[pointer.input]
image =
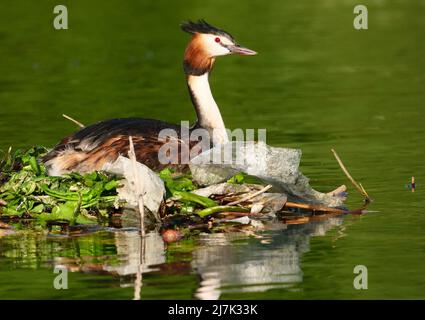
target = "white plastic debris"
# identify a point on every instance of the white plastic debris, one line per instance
(241, 220)
(254, 158)
(152, 187)
(223, 189)
(257, 207)
(276, 166)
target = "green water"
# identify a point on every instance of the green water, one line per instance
(316, 84)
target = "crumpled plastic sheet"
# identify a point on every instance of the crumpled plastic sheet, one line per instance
(152, 187)
(276, 166)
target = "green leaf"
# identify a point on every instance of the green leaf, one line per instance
(208, 211)
(64, 211)
(82, 219)
(238, 178)
(191, 197)
(113, 184)
(38, 209)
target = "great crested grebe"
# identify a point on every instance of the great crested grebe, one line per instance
(94, 146)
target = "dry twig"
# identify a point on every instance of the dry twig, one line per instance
(354, 182)
(74, 121)
(313, 207)
(320, 208)
(250, 196)
(132, 157)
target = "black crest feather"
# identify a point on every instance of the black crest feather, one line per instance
(204, 27)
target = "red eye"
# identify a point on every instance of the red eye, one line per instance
(217, 40)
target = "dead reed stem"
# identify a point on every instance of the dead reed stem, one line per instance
(358, 186)
(138, 192)
(74, 121)
(250, 196)
(313, 207)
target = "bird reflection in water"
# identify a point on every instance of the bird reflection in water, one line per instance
(223, 262)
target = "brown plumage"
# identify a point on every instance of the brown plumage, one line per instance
(196, 59)
(92, 147)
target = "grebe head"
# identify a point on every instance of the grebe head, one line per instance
(207, 43)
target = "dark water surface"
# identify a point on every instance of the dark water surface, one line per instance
(316, 84)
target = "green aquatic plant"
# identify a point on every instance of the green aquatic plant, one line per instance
(209, 211)
(176, 181)
(179, 185)
(27, 191)
(244, 178)
(238, 178)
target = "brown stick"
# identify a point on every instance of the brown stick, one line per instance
(3, 203)
(354, 182)
(320, 208)
(313, 207)
(250, 196)
(238, 214)
(74, 121)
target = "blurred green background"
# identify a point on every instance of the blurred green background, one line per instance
(316, 84)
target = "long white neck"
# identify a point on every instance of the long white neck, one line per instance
(209, 116)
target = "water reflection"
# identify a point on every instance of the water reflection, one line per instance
(226, 262)
(269, 262)
(134, 253)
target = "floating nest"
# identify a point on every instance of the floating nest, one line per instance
(176, 203)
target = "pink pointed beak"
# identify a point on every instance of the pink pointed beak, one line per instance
(237, 49)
